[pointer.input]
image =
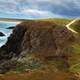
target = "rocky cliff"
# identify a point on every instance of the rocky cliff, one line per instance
(43, 39)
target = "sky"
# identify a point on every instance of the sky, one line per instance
(32, 9)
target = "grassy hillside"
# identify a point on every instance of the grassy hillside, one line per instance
(75, 59)
(58, 21)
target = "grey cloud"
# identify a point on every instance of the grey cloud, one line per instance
(58, 7)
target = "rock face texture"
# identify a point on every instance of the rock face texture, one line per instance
(43, 39)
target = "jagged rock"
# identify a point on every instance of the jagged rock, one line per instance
(2, 34)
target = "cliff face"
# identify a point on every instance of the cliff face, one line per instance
(43, 39)
(38, 36)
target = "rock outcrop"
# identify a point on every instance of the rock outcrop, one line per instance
(2, 34)
(12, 27)
(43, 39)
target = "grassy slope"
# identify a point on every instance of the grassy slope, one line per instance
(75, 59)
(59, 21)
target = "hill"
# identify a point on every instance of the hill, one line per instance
(40, 48)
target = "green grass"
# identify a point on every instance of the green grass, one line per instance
(61, 21)
(76, 28)
(28, 66)
(75, 61)
(76, 48)
(75, 68)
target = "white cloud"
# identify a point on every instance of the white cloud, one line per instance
(36, 12)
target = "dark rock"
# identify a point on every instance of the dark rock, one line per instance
(11, 27)
(2, 34)
(7, 65)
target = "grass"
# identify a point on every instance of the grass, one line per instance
(75, 68)
(60, 21)
(75, 58)
(76, 28)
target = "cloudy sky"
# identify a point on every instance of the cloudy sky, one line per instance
(30, 9)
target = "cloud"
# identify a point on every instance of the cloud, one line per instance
(39, 13)
(40, 8)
